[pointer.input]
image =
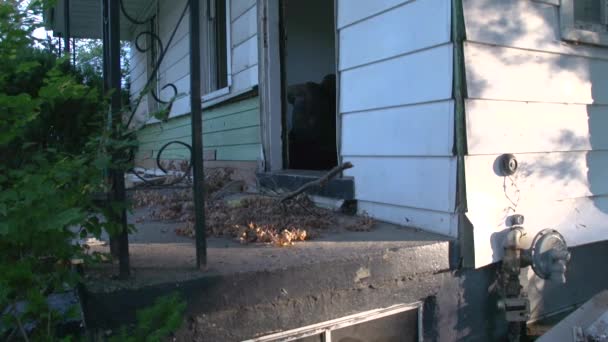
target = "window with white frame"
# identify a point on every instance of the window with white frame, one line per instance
(585, 21)
(215, 45)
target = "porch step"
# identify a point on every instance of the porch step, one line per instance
(290, 180)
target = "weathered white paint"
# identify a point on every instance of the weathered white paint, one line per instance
(245, 55)
(354, 10)
(372, 43)
(245, 26)
(175, 67)
(414, 78)
(415, 182)
(503, 73)
(432, 221)
(543, 99)
(396, 108)
(495, 127)
(400, 131)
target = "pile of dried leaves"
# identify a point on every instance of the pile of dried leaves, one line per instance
(251, 218)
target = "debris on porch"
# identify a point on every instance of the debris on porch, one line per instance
(245, 217)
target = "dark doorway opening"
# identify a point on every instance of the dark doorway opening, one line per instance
(309, 84)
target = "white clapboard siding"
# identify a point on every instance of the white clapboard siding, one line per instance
(395, 72)
(415, 182)
(502, 73)
(495, 127)
(245, 55)
(540, 176)
(245, 26)
(351, 11)
(414, 78)
(544, 100)
(245, 79)
(239, 7)
(400, 131)
(432, 221)
(369, 38)
(529, 25)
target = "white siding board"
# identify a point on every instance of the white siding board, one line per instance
(540, 177)
(522, 24)
(372, 43)
(245, 55)
(400, 131)
(238, 7)
(245, 26)
(355, 10)
(521, 75)
(495, 127)
(432, 221)
(245, 79)
(420, 77)
(417, 182)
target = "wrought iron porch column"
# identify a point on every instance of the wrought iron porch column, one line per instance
(119, 243)
(197, 135)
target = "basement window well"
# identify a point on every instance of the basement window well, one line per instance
(398, 323)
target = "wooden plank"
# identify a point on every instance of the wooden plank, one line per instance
(350, 11)
(540, 176)
(238, 7)
(245, 55)
(495, 127)
(428, 74)
(400, 131)
(248, 135)
(245, 79)
(580, 220)
(244, 152)
(416, 182)
(431, 221)
(500, 73)
(245, 26)
(219, 124)
(420, 24)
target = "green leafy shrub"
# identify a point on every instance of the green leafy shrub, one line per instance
(155, 323)
(54, 148)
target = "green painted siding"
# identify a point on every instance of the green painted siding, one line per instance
(232, 130)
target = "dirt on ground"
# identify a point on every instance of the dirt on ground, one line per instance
(247, 218)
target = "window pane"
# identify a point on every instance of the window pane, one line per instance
(588, 11)
(221, 58)
(402, 327)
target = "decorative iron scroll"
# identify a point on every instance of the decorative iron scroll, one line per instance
(151, 78)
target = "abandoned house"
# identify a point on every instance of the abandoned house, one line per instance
(478, 121)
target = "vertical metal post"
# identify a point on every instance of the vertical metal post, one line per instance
(66, 26)
(197, 135)
(119, 242)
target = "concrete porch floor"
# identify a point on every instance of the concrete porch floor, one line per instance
(158, 254)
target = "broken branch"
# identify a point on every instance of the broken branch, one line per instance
(321, 182)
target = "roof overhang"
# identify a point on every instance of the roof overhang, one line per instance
(85, 17)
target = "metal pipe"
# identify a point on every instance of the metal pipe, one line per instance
(197, 135)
